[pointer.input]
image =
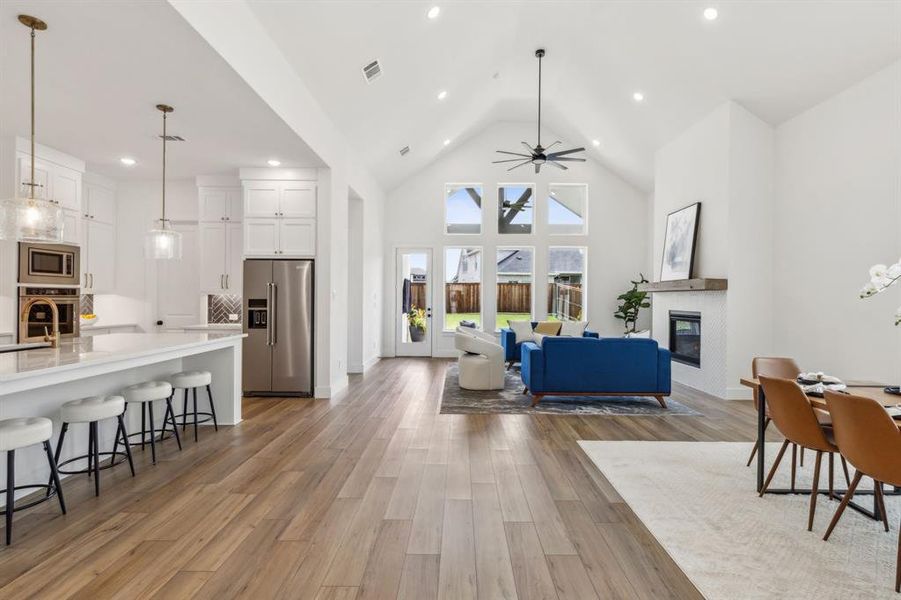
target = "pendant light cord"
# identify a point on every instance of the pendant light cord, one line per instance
(32, 184)
(539, 100)
(164, 171)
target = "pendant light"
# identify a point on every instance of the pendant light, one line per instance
(32, 219)
(163, 242)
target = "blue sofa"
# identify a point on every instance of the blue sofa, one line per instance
(566, 366)
(513, 351)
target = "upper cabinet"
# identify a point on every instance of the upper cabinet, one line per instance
(220, 204)
(280, 199)
(99, 203)
(53, 182)
(97, 236)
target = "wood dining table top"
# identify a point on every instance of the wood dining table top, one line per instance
(867, 389)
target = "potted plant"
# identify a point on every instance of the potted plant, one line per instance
(417, 323)
(632, 302)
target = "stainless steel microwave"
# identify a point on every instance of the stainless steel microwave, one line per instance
(49, 264)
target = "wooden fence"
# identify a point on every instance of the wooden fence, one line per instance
(564, 301)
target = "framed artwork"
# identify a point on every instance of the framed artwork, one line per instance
(679, 243)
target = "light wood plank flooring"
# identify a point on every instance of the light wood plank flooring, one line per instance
(370, 495)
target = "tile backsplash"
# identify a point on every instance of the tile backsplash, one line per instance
(86, 303)
(221, 306)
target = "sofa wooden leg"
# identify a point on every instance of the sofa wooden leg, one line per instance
(536, 398)
(525, 390)
(661, 400)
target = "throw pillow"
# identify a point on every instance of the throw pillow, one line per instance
(538, 338)
(522, 329)
(573, 328)
(548, 327)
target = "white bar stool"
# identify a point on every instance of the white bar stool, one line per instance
(19, 433)
(191, 380)
(146, 394)
(92, 410)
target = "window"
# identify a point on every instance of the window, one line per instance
(566, 283)
(514, 285)
(567, 206)
(462, 286)
(463, 208)
(514, 208)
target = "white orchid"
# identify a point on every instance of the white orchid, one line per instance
(882, 277)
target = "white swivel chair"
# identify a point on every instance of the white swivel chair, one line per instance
(482, 361)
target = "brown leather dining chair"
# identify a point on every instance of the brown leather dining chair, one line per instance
(771, 366)
(795, 418)
(869, 438)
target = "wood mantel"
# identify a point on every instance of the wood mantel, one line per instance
(686, 285)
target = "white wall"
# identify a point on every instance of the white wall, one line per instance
(617, 239)
(839, 212)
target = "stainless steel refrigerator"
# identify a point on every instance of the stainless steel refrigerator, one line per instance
(278, 321)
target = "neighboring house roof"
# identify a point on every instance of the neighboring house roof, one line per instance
(517, 262)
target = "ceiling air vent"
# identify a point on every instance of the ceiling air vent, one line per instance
(405, 150)
(173, 138)
(372, 71)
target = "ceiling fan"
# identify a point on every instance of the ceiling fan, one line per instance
(539, 155)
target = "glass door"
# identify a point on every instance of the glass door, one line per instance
(413, 307)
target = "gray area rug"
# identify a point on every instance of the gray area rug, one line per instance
(511, 400)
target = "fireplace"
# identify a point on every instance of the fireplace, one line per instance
(685, 337)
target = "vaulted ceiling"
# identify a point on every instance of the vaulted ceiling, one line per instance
(775, 58)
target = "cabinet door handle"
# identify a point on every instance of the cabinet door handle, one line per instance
(226, 281)
(86, 280)
(92, 280)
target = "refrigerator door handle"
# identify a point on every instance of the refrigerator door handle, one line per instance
(273, 317)
(269, 316)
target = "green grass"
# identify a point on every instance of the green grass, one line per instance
(453, 320)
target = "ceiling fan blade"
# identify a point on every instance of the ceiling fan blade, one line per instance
(525, 162)
(562, 152)
(565, 158)
(552, 145)
(506, 160)
(556, 164)
(529, 148)
(514, 153)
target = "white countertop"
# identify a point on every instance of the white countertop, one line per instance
(215, 326)
(83, 353)
(101, 325)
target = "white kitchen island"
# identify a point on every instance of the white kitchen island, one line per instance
(37, 382)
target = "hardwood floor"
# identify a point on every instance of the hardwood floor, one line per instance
(370, 495)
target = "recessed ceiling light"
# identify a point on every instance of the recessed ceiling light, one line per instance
(446, 142)
(595, 143)
(128, 162)
(711, 13)
(638, 97)
(442, 94)
(274, 163)
(434, 12)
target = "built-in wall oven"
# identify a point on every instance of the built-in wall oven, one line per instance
(40, 316)
(49, 264)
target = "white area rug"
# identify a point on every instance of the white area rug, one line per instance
(698, 500)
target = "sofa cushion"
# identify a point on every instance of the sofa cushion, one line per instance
(573, 328)
(522, 330)
(548, 327)
(607, 365)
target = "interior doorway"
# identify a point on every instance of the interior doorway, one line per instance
(413, 302)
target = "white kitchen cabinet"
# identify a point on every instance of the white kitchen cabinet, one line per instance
(220, 204)
(260, 236)
(221, 257)
(98, 258)
(66, 188)
(99, 204)
(42, 178)
(297, 237)
(71, 227)
(59, 184)
(297, 199)
(261, 199)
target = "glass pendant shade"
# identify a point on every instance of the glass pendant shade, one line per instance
(162, 243)
(31, 220)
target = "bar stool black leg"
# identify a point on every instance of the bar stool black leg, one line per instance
(169, 417)
(59, 450)
(212, 408)
(54, 473)
(10, 493)
(184, 412)
(90, 450)
(143, 425)
(121, 431)
(195, 414)
(95, 431)
(152, 433)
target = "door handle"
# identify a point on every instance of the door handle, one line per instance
(221, 280)
(269, 315)
(428, 312)
(92, 280)
(273, 314)
(226, 281)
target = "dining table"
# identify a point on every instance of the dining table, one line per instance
(858, 388)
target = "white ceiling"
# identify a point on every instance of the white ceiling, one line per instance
(775, 58)
(103, 66)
